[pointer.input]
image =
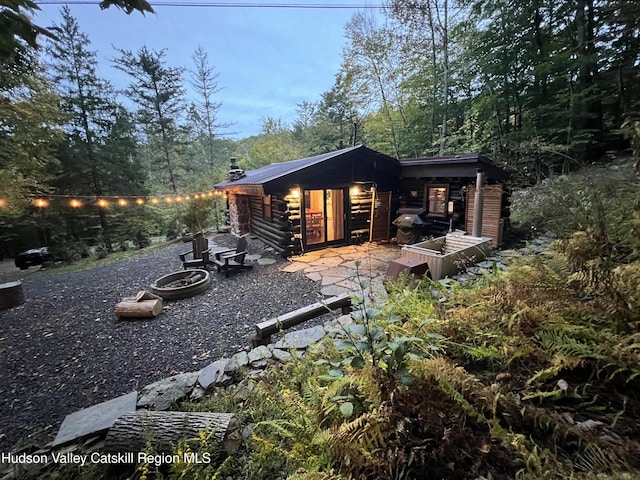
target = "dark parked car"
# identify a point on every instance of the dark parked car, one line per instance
(35, 256)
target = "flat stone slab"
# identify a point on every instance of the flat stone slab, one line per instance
(327, 280)
(253, 256)
(259, 353)
(349, 284)
(212, 373)
(281, 355)
(307, 257)
(95, 419)
(333, 290)
(316, 268)
(315, 276)
(239, 360)
(294, 267)
(266, 261)
(332, 261)
(160, 395)
(301, 338)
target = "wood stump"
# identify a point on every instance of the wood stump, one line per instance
(132, 431)
(141, 309)
(144, 305)
(11, 294)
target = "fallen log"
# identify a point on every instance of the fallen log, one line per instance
(134, 431)
(131, 308)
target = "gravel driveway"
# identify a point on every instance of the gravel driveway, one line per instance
(64, 349)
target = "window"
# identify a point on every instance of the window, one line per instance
(437, 198)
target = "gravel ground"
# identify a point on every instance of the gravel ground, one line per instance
(64, 349)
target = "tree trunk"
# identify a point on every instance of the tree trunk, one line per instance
(132, 432)
(445, 102)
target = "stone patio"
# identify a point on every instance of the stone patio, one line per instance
(349, 269)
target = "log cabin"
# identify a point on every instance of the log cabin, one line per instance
(332, 199)
(352, 195)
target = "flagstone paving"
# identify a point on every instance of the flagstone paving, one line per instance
(342, 269)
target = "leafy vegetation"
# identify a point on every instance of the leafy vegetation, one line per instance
(527, 373)
(542, 88)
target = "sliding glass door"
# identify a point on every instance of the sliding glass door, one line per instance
(324, 216)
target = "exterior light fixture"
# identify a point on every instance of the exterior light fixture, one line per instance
(139, 201)
(295, 193)
(73, 203)
(102, 203)
(122, 202)
(41, 203)
(355, 191)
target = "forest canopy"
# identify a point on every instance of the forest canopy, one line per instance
(540, 87)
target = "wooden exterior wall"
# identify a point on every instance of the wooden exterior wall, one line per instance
(492, 212)
(282, 230)
(275, 230)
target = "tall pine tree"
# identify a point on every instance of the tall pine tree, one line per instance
(159, 93)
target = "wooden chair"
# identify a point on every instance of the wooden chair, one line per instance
(233, 260)
(199, 253)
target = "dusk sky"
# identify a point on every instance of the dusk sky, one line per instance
(268, 59)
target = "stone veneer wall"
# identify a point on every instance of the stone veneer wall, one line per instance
(239, 214)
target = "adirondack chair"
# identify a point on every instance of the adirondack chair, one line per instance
(228, 261)
(199, 253)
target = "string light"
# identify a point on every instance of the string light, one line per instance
(79, 201)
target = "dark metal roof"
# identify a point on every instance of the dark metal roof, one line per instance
(464, 165)
(355, 164)
(448, 159)
(275, 171)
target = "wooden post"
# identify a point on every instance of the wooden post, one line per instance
(133, 431)
(478, 204)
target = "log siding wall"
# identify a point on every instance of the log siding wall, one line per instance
(278, 231)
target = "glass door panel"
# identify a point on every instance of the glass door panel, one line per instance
(314, 216)
(334, 200)
(324, 216)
